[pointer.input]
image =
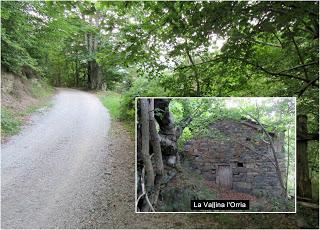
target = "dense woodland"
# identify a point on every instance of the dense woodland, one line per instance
(162, 155)
(175, 49)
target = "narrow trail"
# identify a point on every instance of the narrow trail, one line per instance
(72, 168)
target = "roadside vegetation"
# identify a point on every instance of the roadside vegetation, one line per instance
(186, 49)
(10, 123)
(182, 167)
(113, 102)
(14, 115)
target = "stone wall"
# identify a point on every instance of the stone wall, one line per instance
(252, 171)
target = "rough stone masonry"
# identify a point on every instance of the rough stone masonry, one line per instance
(237, 157)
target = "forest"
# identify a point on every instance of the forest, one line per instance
(177, 49)
(181, 143)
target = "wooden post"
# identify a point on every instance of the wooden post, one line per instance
(303, 179)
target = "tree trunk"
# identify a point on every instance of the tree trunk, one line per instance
(163, 143)
(303, 179)
(94, 71)
(196, 74)
(58, 79)
(77, 74)
(95, 75)
(167, 133)
(155, 143)
(88, 75)
(144, 106)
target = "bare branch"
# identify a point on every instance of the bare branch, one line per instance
(281, 73)
(195, 70)
(266, 43)
(305, 87)
(300, 66)
(149, 203)
(201, 63)
(282, 46)
(299, 54)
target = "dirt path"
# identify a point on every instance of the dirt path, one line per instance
(73, 168)
(68, 169)
(50, 171)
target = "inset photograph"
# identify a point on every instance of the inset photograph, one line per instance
(216, 154)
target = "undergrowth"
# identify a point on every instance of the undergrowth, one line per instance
(186, 186)
(10, 124)
(11, 121)
(41, 89)
(113, 102)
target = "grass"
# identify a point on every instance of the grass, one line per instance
(44, 103)
(112, 101)
(41, 89)
(11, 121)
(10, 124)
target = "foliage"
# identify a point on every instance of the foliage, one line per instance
(41, 89)
(10, 125)
(18, 33)
(276, 115)
(111, 101)
(178, 48)
(12, 120)
(140, 87)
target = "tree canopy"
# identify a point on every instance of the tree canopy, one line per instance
(220, 48)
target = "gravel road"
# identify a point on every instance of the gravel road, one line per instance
(73, 168)
(50, 171)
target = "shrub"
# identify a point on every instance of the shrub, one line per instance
(142, 87)
(9, 124)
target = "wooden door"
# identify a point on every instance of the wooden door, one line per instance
(224, 177)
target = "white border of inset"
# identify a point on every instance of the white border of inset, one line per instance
(212, 212)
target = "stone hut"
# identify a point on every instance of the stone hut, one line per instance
(238, 157)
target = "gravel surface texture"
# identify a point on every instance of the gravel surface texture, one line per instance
(74, 168)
